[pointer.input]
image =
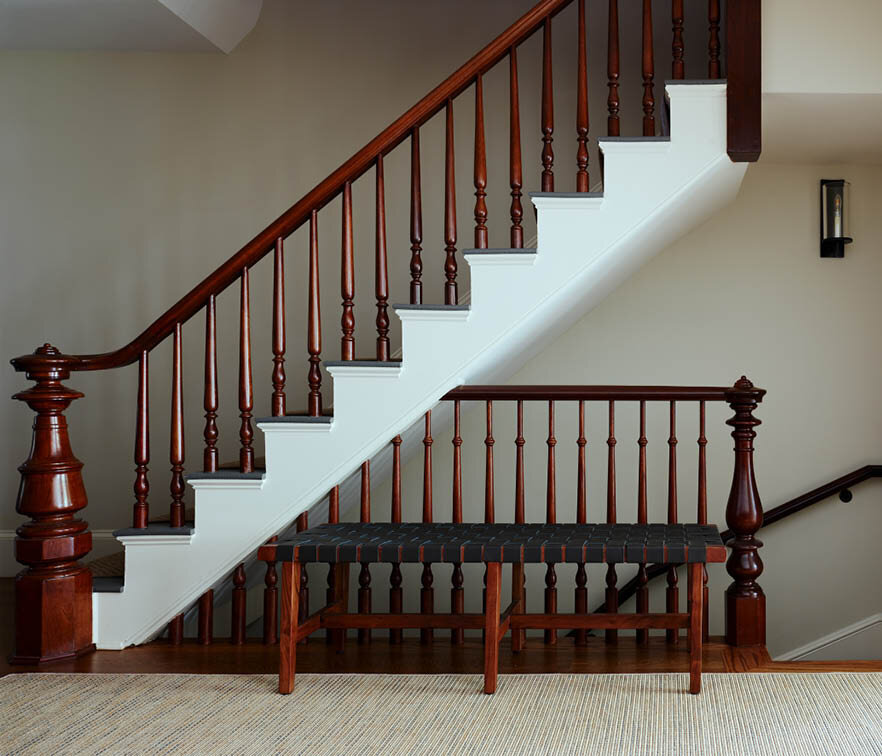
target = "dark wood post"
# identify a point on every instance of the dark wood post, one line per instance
(53, 596)
(745, 600)
(744, 79)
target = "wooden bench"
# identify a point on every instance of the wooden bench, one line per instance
(493, 544)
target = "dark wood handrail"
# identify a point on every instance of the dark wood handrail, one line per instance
(588, 393)
(323, 193)
(776, 514)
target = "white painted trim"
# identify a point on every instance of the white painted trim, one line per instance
(103, 543)
(156, 540)
(828, 640)
(363, 371)
(693, 91)
(296, 428)
(633, 149)
(567, 203)
(247, 484)
(490, 261)
(433, 316)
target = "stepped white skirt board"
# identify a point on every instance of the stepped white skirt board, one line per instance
(655, 192)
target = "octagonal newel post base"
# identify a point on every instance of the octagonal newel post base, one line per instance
(53, 595)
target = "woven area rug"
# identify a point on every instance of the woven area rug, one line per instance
(836, 713)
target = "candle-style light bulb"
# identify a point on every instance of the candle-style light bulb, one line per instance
(837, 216)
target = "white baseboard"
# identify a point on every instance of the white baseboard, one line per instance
(835, 637)
(103, 543)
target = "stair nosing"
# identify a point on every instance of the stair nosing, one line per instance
(225, 475)
(363, 363)
(625, 139)
(108, 584)
(155, 530)
(298, 419)
(431, 307)
(695, 81)
(501, 251)
(568, 195)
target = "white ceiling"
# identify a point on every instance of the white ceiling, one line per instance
(822, 128)
(146, 25)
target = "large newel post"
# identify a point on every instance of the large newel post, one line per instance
(745, 600)
(53, 596)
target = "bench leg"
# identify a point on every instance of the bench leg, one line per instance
(491, 626)
(290, 612)
(696, 624)
(517, 594)
(341, 597)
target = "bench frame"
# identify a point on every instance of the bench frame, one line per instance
(494, 623)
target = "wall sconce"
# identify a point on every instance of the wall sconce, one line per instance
(834, 217)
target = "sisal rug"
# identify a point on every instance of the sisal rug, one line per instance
(756, 714)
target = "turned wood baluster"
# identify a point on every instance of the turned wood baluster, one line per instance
(451, 295)
(518, 637)
(457, 596)
(210, 396)
(702, 504)
(330, 593)
(270, 601)
(314, 325)
(582, 179)
(745, 600)
(176, 447)
(547, 110)
(381, 273)
(612, 70)
(678, 67)
(141, 513)
(648, 72)
(237, 625)
(551, 517)
(481, 235)
(347, 279)
(176, 630)
(205, 632)
(427, 593)
(642, 593)
(302, 523)
(713, 45)
(278, 399)
(246, 390)
(416, 221)
(395, 595)
(489, 486)
(612, 592)
(581, 599)
(672, 594)
(364, 576)
(514, 152)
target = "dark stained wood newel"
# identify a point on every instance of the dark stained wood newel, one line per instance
(744, 79)
(745, 600)
(53, 595)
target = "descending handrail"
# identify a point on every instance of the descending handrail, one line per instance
(323, 192)
(776, 514)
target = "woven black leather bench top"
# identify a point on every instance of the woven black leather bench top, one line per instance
(479, 542)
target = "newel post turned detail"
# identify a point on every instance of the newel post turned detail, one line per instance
(53, 596)
(745, 600)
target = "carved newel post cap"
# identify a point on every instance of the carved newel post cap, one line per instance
(45, 363)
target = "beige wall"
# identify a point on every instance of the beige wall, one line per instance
(819, 46)
(747, 293)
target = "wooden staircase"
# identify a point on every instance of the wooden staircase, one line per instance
(656, 187)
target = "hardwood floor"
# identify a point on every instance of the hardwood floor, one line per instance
(412, 657)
